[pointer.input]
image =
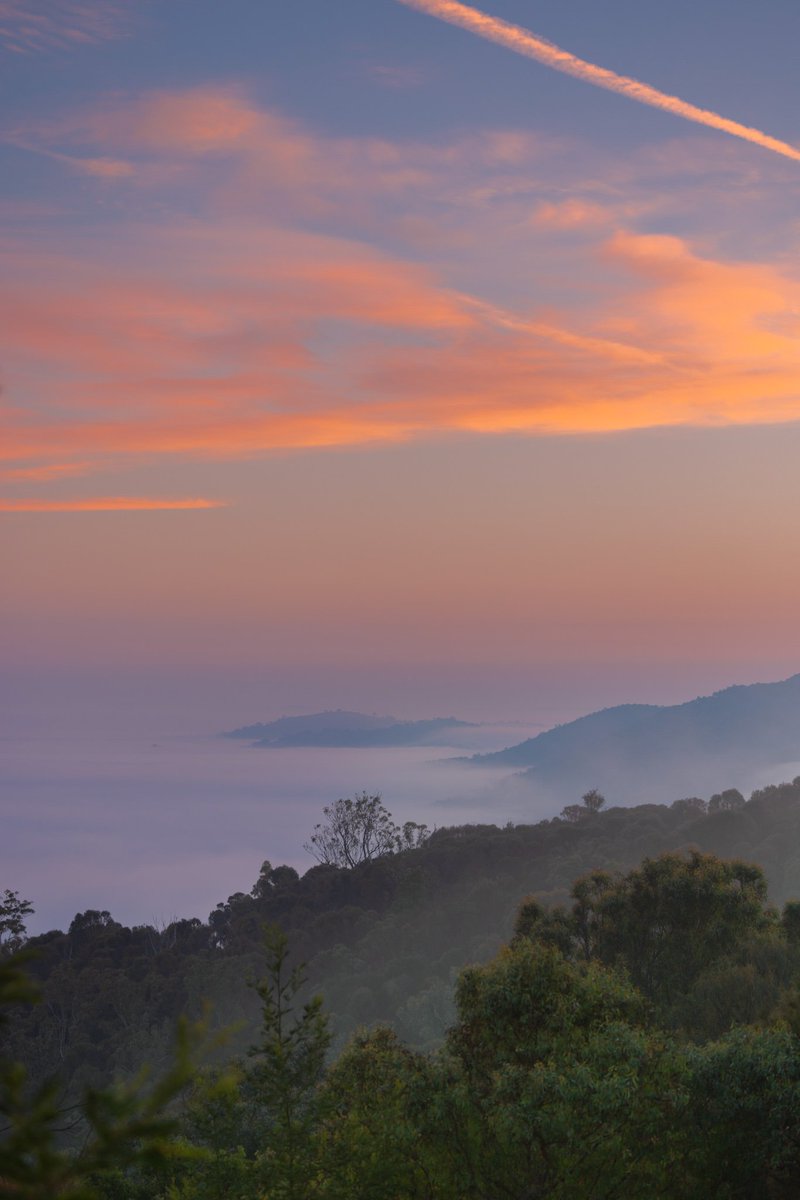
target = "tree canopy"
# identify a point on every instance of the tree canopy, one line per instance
(359, 829)
(639, 1044)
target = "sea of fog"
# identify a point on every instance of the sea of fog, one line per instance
(116, 793)
(157, 828)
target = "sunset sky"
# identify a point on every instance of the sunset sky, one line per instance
(359, 343)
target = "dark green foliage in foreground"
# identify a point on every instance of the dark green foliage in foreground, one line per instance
(256, 1124)
(554, 1085)
(119, 1126)
(559, 1079)
(287, 1067)
(694, 935)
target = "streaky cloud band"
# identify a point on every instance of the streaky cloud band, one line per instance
(522, 41)
(106, 504)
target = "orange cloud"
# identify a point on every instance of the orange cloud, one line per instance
(738, 312)
(215, 341)
(45, 473)
(104, 504)
(226, 337)
(696, 342)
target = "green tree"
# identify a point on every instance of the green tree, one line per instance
(13, 912)
(591, 803)
(121, 1126)
(731, 800)
(742, 1123)
(593, 800)
(218, 1120)
(288, 1064)
(670, 923)
(372, 1147)
(549, 1088)
(561, 1091)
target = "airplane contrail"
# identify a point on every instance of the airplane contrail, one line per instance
(604, 347)
(514, 37)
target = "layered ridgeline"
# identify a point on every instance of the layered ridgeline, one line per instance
(340, 728)
(743, 734)
(383, 942)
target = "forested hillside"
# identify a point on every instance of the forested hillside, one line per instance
(660, 752)
(383, 942)
(639, 1042)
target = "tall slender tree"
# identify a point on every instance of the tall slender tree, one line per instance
(288, 1064)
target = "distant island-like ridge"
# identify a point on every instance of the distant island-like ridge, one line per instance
(340, 728)
(662, 751)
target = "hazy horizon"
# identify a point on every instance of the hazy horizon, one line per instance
(117, 792)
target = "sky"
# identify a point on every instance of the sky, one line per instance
(394, 353)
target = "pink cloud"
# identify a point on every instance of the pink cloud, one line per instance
(103, 168)
(221, 342)
(571, 214)
(41, 25)
(196, 121)
(269, 156)
(236, 334)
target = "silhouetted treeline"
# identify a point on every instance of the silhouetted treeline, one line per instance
(383, 942)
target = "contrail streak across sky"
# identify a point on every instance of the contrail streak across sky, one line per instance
(514, 37)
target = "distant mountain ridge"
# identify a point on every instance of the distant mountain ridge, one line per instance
(340, 728)
(665, 751)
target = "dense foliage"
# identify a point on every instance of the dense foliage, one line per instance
(578, 1065)
(124, 1126)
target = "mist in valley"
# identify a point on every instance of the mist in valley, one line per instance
(141, 808)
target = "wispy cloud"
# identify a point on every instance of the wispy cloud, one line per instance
(401, 77)
(572, 214)
(243, 328)
(522, 41)
(44, 473)
(228, 342)
(180, 136)
(104, 504)
(100, 168)
(28, 26)
(597, 347)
